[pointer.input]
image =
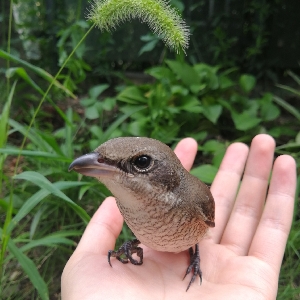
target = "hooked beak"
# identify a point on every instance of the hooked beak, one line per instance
(92, 165)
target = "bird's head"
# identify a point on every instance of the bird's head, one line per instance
(129, 160)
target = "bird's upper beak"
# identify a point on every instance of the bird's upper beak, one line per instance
(92, 165)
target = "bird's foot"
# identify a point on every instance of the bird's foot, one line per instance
(194, 264)
(127, 249)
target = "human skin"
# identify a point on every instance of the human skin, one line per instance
(240, 258)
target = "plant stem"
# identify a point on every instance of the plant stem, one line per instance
(46, 93)
(8, 44)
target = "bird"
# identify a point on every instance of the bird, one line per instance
(167, 208)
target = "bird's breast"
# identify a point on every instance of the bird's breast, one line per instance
(159, 221)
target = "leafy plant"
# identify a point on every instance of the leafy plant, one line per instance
(193, 100)
(94, 107)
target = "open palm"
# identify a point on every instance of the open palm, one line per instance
(240, 257)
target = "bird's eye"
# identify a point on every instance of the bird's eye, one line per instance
(142, 162)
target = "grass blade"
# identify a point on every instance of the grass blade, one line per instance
(289, 89)
(30, 269)
(37, 70)
(31, 134)
(35, 199)
(21, 72)
(294, 76)
(4, 127)
(291, 109)
(5, 116)
(42, 154)
(3, 136)
(47, 241)
(44, 183)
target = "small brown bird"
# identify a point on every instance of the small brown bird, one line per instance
(166, 207)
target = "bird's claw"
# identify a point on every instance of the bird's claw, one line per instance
(127, 249)
(194, 264)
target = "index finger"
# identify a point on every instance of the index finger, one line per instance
(186, 151)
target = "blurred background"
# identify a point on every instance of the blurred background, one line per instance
(239, 77)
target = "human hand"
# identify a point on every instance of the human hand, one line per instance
(240, 257)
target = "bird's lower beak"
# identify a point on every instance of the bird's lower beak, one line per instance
(92, 165)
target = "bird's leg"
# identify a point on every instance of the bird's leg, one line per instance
(127, 249)
(194, 264)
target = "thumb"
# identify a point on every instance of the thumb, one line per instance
(103, 229)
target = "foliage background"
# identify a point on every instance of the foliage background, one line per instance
(240, 77)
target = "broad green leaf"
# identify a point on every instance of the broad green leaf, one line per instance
(225, 82)
(205, 173)
(139, 127)
(281, 130)
(44, 183)
(268, 111)
(91, 112)
(161, 73)
(245, 121)
(216, 148)
(108, 103)
(178, 4)
(87, 101)
(196, 88)
(148, 47)
(96, 90)
(199, 136)
(148, 37)
(132, 95)
(96, 131)
(247, 82)
(218, 156)
(179, 89)
(208, 75)
(212, 112)
(165, 134)
(211, 146)
(191, 104)
(185, 72)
